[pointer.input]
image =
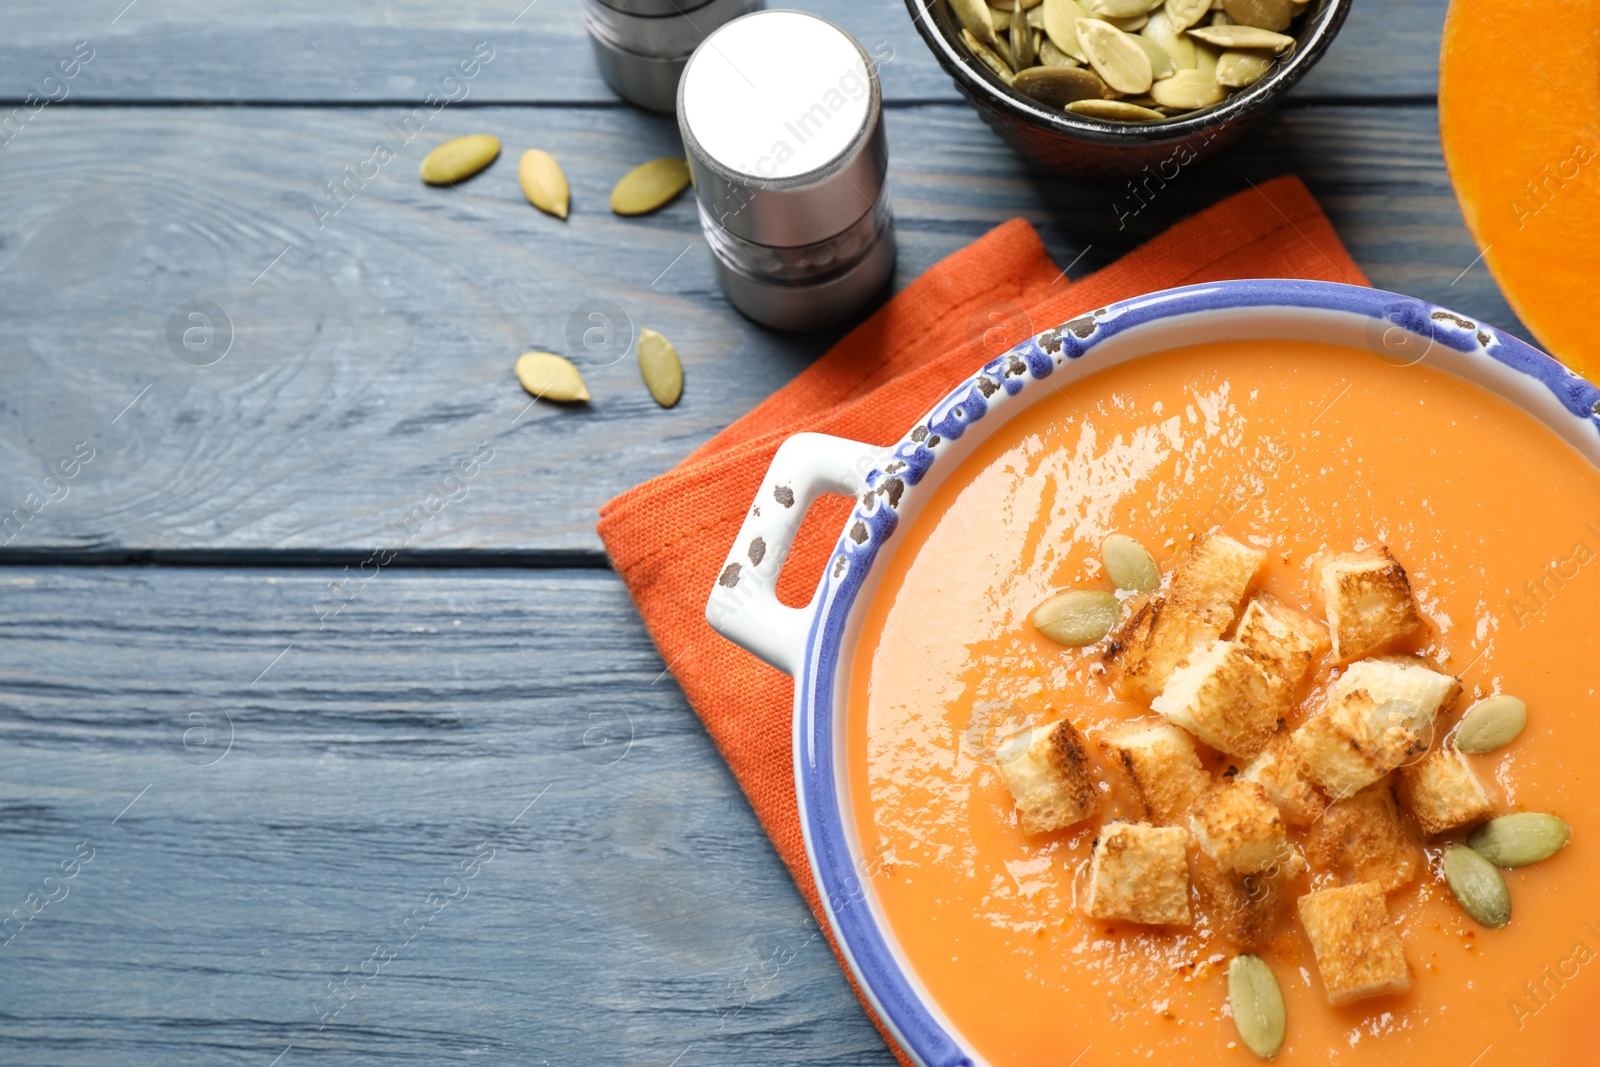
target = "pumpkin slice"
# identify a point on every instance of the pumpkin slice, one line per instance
(1519, 115)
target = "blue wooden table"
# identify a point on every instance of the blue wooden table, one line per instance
(264, 802)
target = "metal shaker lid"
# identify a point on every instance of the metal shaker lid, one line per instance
(781, 115)
(655, 8)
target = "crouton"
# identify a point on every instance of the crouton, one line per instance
(1239, 827)
(1051, 781)
(1164, 767)
(1224, 698)
(1284, 640)
(1198, 606)
(1442, 793)
(1361, 839)
(1358, 953)
(1276, 769)
(1140, 873)
(1366, 599)
(1378, 716)
(1244, 908)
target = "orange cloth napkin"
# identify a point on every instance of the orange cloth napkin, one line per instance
(668, 537)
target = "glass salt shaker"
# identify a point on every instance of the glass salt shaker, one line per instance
(642, 46)
(782, 121)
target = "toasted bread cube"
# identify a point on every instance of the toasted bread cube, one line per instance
(1164, 767)
(1358, 953)
(1051, 780)
(1224, 698)
(1366, 598)
(1361, 839)
(1244, 908)
(1284, 640)
(1378, 716)
(1277, 769)
(1442, 793)
(1239, 827)
(1140, 874)
(1199, 604)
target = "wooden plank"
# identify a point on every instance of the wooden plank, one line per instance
(372, 357)
(626, 908)
(310, 51)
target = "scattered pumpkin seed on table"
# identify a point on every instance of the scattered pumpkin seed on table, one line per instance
(649, 186)
(459, 159)
(660, 368)
(551, 377)
(543, 183)
(1157, 58)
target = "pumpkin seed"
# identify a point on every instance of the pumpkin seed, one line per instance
(543, 183)
(1242, 37)
(1061, 18)
(1237, 70)
(1479, 888)
(459, 159)
(649, 186)
(1220, 18)
(1262, 14)
(659, 367)
(1206, 58)
(975, 16)
(1051, 56)
(1189, 88)
(1115, 56)
(1177, 45)
(1023, 53)
(1118, 110)
(1185, 13)
(1129, 25)
(1129, 564)
(1257, 1005)
(1077, 617)
(1520, 839)
(549, 377)
(1000, 18)
(1161, 62)
(1060, 86)
(1036, 16)
(1491, 724)
(988, 56)
(1117, 9)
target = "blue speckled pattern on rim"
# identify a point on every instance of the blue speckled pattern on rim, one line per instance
(870, 526)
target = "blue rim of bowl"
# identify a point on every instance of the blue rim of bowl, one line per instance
(981, 84)
(873, 521)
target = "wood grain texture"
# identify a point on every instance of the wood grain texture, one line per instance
(635, 914)
(369, 356)
(307, 50)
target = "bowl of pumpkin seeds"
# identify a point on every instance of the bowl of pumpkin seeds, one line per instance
(1101, 88)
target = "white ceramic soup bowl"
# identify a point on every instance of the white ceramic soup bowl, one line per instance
(814, 643)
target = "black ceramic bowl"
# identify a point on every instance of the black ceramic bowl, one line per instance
(1083, 147)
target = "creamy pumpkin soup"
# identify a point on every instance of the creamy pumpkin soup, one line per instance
(1249, 681)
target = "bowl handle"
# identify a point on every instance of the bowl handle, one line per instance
(744, 605)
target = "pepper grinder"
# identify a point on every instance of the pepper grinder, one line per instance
(782, 121)
(642, 46)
